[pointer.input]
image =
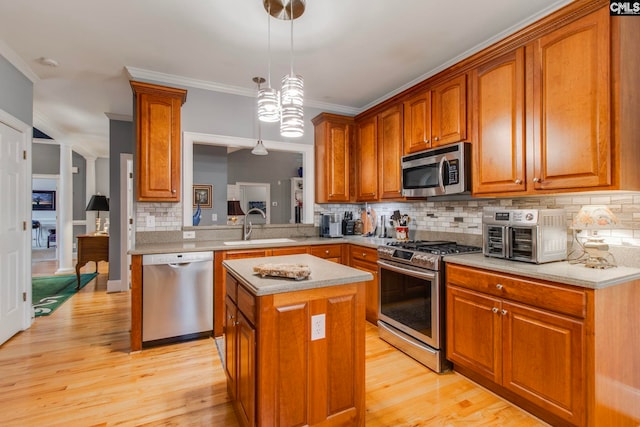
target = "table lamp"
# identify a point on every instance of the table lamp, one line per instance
(233, 210)
(98, 203)
(595, 251)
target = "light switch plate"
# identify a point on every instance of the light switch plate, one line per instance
(214, 217)
(318, 323)
(151, 221)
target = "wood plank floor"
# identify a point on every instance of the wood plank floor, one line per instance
(74, 368)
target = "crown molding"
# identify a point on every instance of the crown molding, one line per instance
(119, 117)
(15, 60)
(172, 79)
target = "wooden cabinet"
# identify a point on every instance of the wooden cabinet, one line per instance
(525, 336)
(498, 125)
(328, 252)
(557, 114)
(390, 153)
(570, 78)
(91, 247)
(333, 162)
(240, 351)
(157, 122)
(366, 259)
(436, 116)
(280, 375)
(378, 154)
(366, 159)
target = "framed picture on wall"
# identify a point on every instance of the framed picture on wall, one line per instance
(43, 200)
(202, 195)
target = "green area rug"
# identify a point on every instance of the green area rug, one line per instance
(49, 292)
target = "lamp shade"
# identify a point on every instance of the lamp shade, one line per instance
(593, 217)
(234, 208)
(98, 203)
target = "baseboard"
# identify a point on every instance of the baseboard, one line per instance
(115, 286)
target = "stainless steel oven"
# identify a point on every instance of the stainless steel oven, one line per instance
(411, 315)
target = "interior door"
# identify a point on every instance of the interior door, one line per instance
(15, 288)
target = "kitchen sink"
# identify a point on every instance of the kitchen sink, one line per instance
(259, 241)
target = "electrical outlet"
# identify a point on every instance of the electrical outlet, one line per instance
(274, 204)
(188, 234)
(214, 217)
(318, 327)
(151, 221)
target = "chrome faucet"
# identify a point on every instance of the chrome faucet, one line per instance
(246, 234)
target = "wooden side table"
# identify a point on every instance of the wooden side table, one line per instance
(91, 247)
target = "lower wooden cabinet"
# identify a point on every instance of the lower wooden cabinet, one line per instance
(532, 352)
(277, 374)
(328, 252)
(366, 259)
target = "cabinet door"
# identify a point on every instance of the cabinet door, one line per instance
(390, 153)
(158, 142)
(449, 114)
(333, 138)
(372, 291)
(367, 160)
(571, 105)
(543, 359)
(474, 332)
(498, 121)
(328, 252)
(290, 250)
(230, 344)
(417, 123)
(246, 368)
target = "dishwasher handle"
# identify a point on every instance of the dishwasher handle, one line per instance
(177, 258)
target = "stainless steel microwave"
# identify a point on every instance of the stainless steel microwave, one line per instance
(438, 171)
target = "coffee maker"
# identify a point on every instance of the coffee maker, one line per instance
(330, 225)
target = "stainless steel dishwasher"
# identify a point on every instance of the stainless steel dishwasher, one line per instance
(177, 297)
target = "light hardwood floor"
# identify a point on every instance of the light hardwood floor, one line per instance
(74, 368)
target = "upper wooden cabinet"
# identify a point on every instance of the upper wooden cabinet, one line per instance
(366, 159)
(378, 154)
(498, 124)
(333, 139)
(558, 113)
(390, 153)
(437, 116)
(570, 82)
(157, 121)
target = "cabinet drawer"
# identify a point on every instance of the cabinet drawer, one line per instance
(327, 251)
(232, 288)
(540, 294)
(363, 254)
(247, 304)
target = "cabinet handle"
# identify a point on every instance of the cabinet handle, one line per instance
(327, 252)
(503, 312)
(518, 181)
(494, 309)
(536, 179)
(436, 139)
(173, 191)
(364, 254)
(499, 286)
(426, 141)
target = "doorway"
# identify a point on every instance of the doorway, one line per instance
(255, 195)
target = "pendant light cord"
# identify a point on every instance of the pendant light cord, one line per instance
(269, 46)
(291, 17)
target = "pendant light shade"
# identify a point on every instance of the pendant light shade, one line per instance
(268, 105)
(259, 149)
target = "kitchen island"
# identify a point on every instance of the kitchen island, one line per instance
(294, 349)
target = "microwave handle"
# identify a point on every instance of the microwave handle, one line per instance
(441, 174)
(509, 233)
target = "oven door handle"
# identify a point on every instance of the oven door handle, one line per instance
(404, 270)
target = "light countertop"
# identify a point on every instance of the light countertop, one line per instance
(559, 272)
(218, 245)
(323, 274)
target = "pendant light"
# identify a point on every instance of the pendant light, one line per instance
(292, 113)
(259, 149)
(268, 98)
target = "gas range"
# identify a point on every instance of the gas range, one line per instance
(423, 253)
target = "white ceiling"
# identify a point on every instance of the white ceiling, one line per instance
(352, 53)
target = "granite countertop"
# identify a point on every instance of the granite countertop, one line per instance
(218, 245)
(323, 273)
(559, 272)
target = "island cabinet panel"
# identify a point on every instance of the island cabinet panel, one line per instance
(246, 371)
(572, 104)
(230, 339)
(498, 125)
(157, 122)
(324, 373)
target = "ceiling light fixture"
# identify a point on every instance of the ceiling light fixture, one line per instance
(291, 109)
(268, 98)
(259, 149)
